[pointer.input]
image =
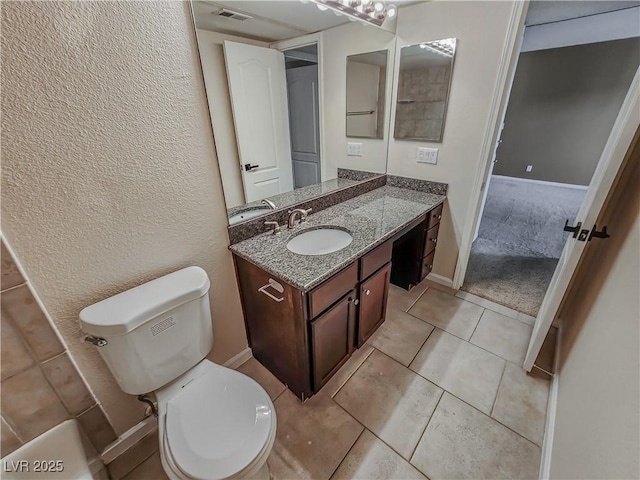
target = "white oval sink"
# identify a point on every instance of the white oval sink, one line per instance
(319, 241)
(247, 214)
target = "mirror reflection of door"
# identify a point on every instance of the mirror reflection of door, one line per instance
(366, 85)
(302, 88)
(257, 85)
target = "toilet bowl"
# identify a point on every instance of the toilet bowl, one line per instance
(213, 422)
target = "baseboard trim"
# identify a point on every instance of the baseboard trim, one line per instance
(552, 406)
(540, 182)
(238, 359)
(434, 277)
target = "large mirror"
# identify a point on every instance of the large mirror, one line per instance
(366, 87)
(424, 81)
(276, 90)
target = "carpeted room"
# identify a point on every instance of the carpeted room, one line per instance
(558, 120)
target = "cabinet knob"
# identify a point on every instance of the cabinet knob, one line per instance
(439, 217)
(367, 292)
(434, 240)
(355, 301)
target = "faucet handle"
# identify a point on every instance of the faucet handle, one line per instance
(304, 213)
(275, 225)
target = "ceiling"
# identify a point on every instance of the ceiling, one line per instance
(545, 11)
(272, 20)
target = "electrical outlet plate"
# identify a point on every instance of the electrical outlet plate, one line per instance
(354, 149)
(529, 168)
(427, 155)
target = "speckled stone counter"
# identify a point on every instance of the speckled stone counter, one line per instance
(371, 219)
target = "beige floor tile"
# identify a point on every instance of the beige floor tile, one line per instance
(312, 437)
(483, 302)
(391, 401)
(441, 287)
(254, 369)
(401, 336)
(460, 442)
(402, 299)
(448, 313)
(460, 368)
(150, 469)
(528, 319)
(349, 368)
(503, 336)
(521, 403)
(371, 459)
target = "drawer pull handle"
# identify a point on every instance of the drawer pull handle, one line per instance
(434, 240)
(439, 217)
(355, 301)
(367, 292)
(430, 267)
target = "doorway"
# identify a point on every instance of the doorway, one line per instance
(559, 116)
(301, 65)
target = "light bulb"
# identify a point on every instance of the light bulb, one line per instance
(392, 11)
(366, 2)
(378, 7)
(321, 7)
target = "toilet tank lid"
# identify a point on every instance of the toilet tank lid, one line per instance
(126, 311)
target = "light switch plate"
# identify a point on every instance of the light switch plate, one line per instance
(354, 149)
(427, 155)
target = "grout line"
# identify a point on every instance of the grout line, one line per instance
(423, 344)
(425, 429)
(354, 372)
(15, 287)
(478, 323)
(348, 451)
(495, 399)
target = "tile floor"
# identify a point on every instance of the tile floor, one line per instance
(437, 392)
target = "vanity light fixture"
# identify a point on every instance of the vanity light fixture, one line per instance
(441, 47)
(373, 12)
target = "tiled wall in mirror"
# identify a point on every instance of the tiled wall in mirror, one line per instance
(272, 122)
(366, 86)
(424, 81)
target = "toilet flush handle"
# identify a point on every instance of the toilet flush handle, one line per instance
(97, 341)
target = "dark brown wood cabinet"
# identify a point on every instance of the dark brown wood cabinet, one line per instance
(332, 339)
(303, 338)
(414, 251)
(373, 303)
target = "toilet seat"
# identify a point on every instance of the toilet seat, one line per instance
(219, 425)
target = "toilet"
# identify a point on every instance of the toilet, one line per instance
(213, 422)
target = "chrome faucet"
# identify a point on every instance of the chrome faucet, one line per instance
(269, 203)
(294, 213)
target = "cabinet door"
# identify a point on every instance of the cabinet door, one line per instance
(332, 339)
(373, 303)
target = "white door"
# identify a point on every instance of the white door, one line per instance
(613, 154)
(485, 187)
(302, 83)
(258, 88)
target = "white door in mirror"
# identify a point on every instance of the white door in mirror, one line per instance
(258, 88)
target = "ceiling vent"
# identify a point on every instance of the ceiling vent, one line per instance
(233, 15)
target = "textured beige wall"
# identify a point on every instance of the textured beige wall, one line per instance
(109, 174)
(481, 30)
(562, 107)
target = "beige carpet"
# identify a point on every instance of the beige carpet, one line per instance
(519, 242)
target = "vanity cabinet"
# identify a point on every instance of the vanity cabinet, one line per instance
(304, 338)
(414, 250)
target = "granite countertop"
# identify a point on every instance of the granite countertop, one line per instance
(296, 195)
(371, 219)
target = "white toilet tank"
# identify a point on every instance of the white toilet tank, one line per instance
(154, 332)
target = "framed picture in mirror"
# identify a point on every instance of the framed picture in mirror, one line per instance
(424, 83)
(366, 85)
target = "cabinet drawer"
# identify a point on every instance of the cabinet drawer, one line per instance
(427, 265)
(376, 258)
(373, 303)
(430, 241)
(434, 216)
(326, 294)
